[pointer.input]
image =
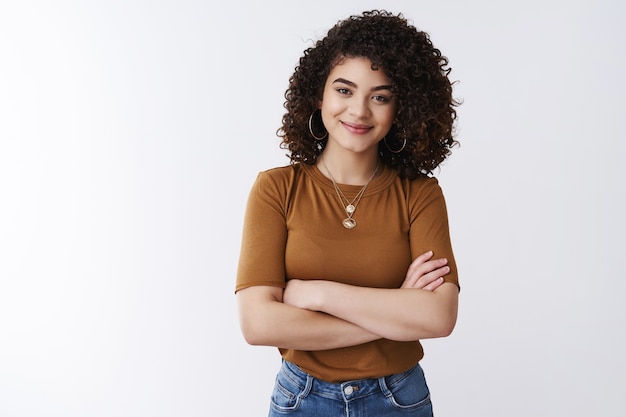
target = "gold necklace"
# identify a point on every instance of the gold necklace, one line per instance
(350, 208)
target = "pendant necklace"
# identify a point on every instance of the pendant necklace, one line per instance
(350, 207)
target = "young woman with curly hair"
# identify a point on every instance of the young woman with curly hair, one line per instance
(346, 260)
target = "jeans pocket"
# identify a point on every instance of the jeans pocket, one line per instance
(289, 390)
(407, 390)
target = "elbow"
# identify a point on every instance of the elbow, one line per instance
(249, 336)
(252, 334)
(437, 327)
(253, 341)
(444, 316)
(255, 315)
(444, 326)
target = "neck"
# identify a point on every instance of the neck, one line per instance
(349, 169)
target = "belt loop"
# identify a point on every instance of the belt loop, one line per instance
(383, 387)
(308, 386)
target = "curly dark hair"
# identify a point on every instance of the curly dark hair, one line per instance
(419, 77)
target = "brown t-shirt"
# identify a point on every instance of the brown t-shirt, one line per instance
(293, 229)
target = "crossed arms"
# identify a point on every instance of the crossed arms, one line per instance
(320, 315)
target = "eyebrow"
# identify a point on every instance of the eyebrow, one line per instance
(351, 84)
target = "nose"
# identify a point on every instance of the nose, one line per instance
(359, 107)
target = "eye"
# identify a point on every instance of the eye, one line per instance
(343, 91)
(381, 99)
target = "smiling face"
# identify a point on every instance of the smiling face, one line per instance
(357, 107)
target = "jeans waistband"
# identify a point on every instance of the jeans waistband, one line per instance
(348, 390)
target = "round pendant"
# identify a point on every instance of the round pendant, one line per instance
(350, 209)
(349, 223)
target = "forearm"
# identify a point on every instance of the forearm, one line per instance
(396, 314)
(269, 322)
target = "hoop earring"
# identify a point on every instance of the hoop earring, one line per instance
(311, 129)
(391, 150)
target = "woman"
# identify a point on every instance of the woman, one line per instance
(346, 259)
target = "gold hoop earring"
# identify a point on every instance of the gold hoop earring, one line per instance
(311, 129)
(391, 150)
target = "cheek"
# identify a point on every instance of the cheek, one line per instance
(330, 109)
(331, 106)
(387, 117)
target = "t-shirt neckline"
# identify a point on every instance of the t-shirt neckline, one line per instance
(381, 182)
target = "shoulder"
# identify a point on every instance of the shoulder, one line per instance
(278, 176)
(278, 173)
(421, 186)
(278, 182)
(423, 194)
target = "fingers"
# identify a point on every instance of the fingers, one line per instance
(419, 261)
(434, 285)
(423, 280)
(426, 273)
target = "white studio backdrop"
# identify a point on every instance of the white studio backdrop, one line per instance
(131, 131)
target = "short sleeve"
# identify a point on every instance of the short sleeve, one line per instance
(429, 229)
(264, 236)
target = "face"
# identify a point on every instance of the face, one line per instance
(357, 106)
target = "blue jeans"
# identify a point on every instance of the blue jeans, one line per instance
(298, 394)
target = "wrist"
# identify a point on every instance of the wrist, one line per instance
(317, 292)
(327, 295)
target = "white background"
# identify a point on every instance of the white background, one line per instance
(131, 131)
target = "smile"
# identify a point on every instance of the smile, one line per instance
(356, 128)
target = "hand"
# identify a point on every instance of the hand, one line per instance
(426, 274)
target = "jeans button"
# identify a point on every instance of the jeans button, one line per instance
(348, 390)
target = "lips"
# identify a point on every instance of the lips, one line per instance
(356, 128)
